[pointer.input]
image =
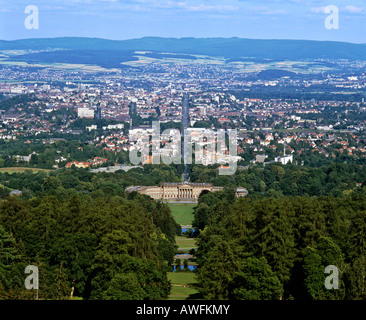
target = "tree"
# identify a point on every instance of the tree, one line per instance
(255, 280)
(60, 287)
(11, 267)
(316, 259)
(75, 252)
(355, 280)
(274, 238)
(217, 266)
(125, 287)
(8, 252)
(127, 278)
(51, 183)
(314, 273)
(185, 265)
(13, 213)
(178, 263)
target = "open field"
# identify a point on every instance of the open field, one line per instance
(21, 169)
(60, 66)
(182, 213)
(185, 243)
(184, 286)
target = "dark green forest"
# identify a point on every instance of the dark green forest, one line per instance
(92, 240)
(93, 246)
(223, 47)
(271, 249)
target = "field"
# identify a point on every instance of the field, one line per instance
(182, 213)
(185, 243)
(184, 286)
(21, 169)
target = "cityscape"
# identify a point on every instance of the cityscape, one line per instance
(61, 110)
(203, 169)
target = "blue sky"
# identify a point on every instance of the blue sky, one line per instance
(127, 19)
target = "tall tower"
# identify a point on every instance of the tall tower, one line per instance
(99, 112)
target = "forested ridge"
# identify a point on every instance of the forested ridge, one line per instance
(278, 248)
(91, 246)
(92, 240)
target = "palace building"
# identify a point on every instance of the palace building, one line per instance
(180, 191)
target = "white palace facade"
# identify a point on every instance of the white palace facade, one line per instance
(180, 191)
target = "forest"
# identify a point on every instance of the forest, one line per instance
(275, 180)
(278, 248)
(91, 240)
(91, 246)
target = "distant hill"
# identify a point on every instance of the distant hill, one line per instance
(272, 74)
(103, 58)
(233, 49)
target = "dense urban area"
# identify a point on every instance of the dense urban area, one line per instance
(65, 141)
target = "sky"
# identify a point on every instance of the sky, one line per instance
(129, 19)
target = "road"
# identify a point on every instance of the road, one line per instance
(185, 119)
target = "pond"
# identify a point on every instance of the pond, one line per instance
(191, 230)
(192, 268)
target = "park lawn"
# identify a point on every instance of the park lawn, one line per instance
(185, 243)
(182, 213)
(22, 169)
(184, 284)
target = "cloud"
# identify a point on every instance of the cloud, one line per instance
(354, 9)
(208, 8)
(263, 10)
(319, 9)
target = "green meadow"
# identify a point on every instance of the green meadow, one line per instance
(182, 213)
(21, 170)
(184, 243)
(184, 286)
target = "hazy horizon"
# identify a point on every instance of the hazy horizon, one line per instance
(133, 19)
(142, 37)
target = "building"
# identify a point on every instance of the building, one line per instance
(85, 113)
(24, 158)
(180, 191)
(98, 114)
(92, 127)
(260, 158)
(15, 193)
(97, 161)
(78, 164)
(284, 159)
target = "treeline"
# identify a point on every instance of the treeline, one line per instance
(276, 180)
(44, 155)
(93, 246)
(278, 248)
(19, 100)
(324, 93)
(66, 182)
(102, 58)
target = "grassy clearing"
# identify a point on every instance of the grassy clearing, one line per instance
(184, 286)
(21, 170)
(182, 213)
(185, 243)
